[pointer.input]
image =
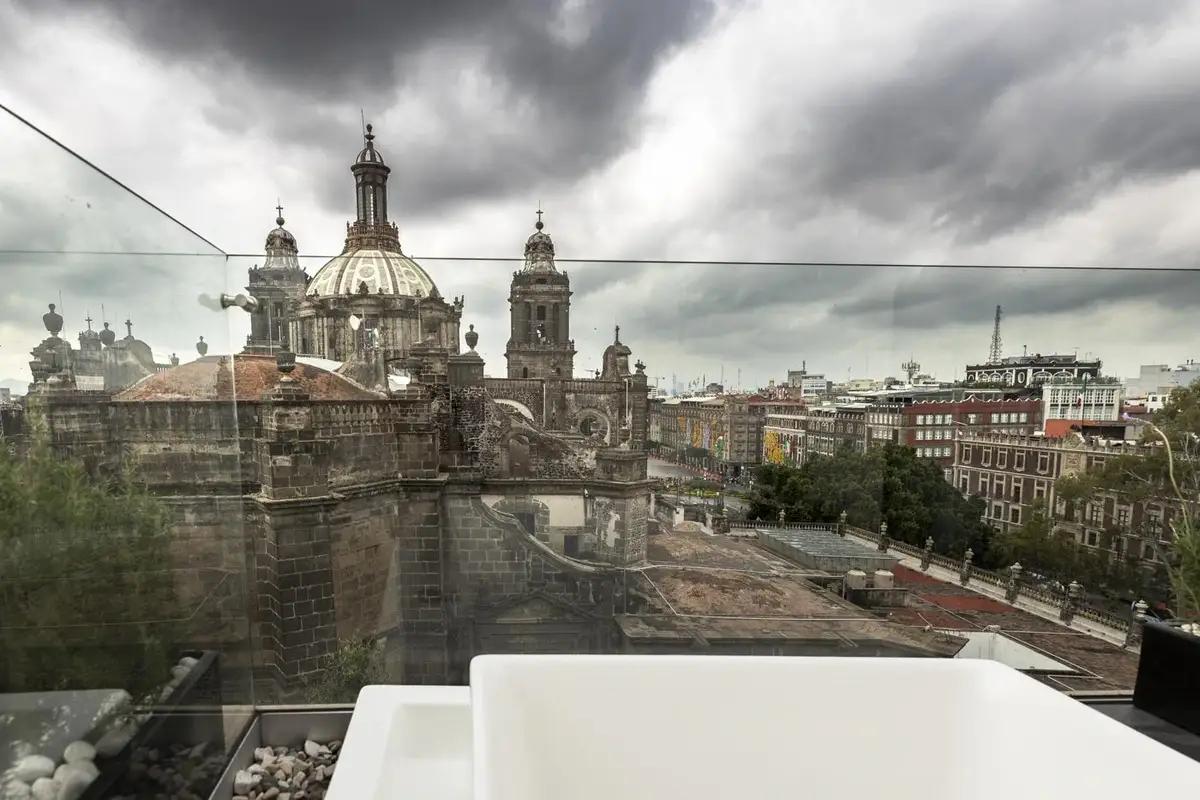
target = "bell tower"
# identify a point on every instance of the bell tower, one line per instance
(539, 344)
(277, 284)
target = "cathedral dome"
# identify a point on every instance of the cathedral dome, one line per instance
(381, 271)
(539, 249)
(280, 238)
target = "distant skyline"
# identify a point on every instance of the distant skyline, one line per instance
(1011, 133)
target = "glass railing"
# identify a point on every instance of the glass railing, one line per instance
(370, 468)
(124, 614)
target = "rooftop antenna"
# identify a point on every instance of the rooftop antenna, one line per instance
(994, 355)
(363, 121)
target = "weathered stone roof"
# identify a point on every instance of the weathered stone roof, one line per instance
(252, 377)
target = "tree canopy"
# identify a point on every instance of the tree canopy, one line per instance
(888, 483)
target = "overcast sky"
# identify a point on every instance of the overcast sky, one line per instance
(997, 133)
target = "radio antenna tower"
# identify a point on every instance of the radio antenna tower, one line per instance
(996, 353)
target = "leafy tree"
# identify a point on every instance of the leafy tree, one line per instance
(86, 595)
(1168, 472)
(888, 483)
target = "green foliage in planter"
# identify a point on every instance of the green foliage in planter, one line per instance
(86, 595)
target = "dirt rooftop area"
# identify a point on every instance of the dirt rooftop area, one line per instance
(720, 588)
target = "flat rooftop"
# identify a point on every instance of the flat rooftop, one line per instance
(821, 548)
(714, 591)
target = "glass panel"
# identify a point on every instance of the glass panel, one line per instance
(413, 460)
(123, 612)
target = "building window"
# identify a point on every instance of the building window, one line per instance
(964, 484)
(1123, 516)
(987, 456)
(1014, 514)
(998, 486)
(1043, 463)
(1024, 417)
(966, 453)
(1002, 458)
(1019, 460)
(1095, 512)
(995, 418)
(1091, 538)
(1039, 490)
(1016, 491)
(997, 511)
(541, 313)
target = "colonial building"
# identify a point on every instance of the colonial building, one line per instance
(719, 432)
(374, 483)
(1031, 370)
(931, 426)
(1066, 401)
(1014, 473)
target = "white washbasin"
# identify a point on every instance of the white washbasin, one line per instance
(406, 741)
(663, 727)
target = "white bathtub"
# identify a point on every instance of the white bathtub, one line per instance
(694, 728)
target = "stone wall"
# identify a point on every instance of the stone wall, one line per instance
(510, 592)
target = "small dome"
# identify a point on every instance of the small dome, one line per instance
(369, 155)
(381, 271)
(539, 250)
(280, 238)
(254, 376)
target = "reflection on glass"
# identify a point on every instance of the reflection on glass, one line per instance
(125, 659)
(386, 480)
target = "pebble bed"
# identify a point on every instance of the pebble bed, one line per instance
(288, 773)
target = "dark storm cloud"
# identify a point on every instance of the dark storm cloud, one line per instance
(563, 87)
(997, 123)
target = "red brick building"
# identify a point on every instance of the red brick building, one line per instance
(932, 426)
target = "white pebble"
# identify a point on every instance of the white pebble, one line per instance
(313, 749)
(188, 661)
(17, 790)
(46, 789)
(179, 672)
(79, 751)
(30, 768)
(244, 781)
(85, 768)
(73, 784)
(115, 739)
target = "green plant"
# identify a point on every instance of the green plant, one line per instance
(86, 595)
(341, 674)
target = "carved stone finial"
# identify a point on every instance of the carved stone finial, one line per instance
(174, 360)
(202, 346)
(472, 337)
(107, 336)
(53, 321)
(285, 361)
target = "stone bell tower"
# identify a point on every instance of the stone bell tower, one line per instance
(277, 284)
(539, 344)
